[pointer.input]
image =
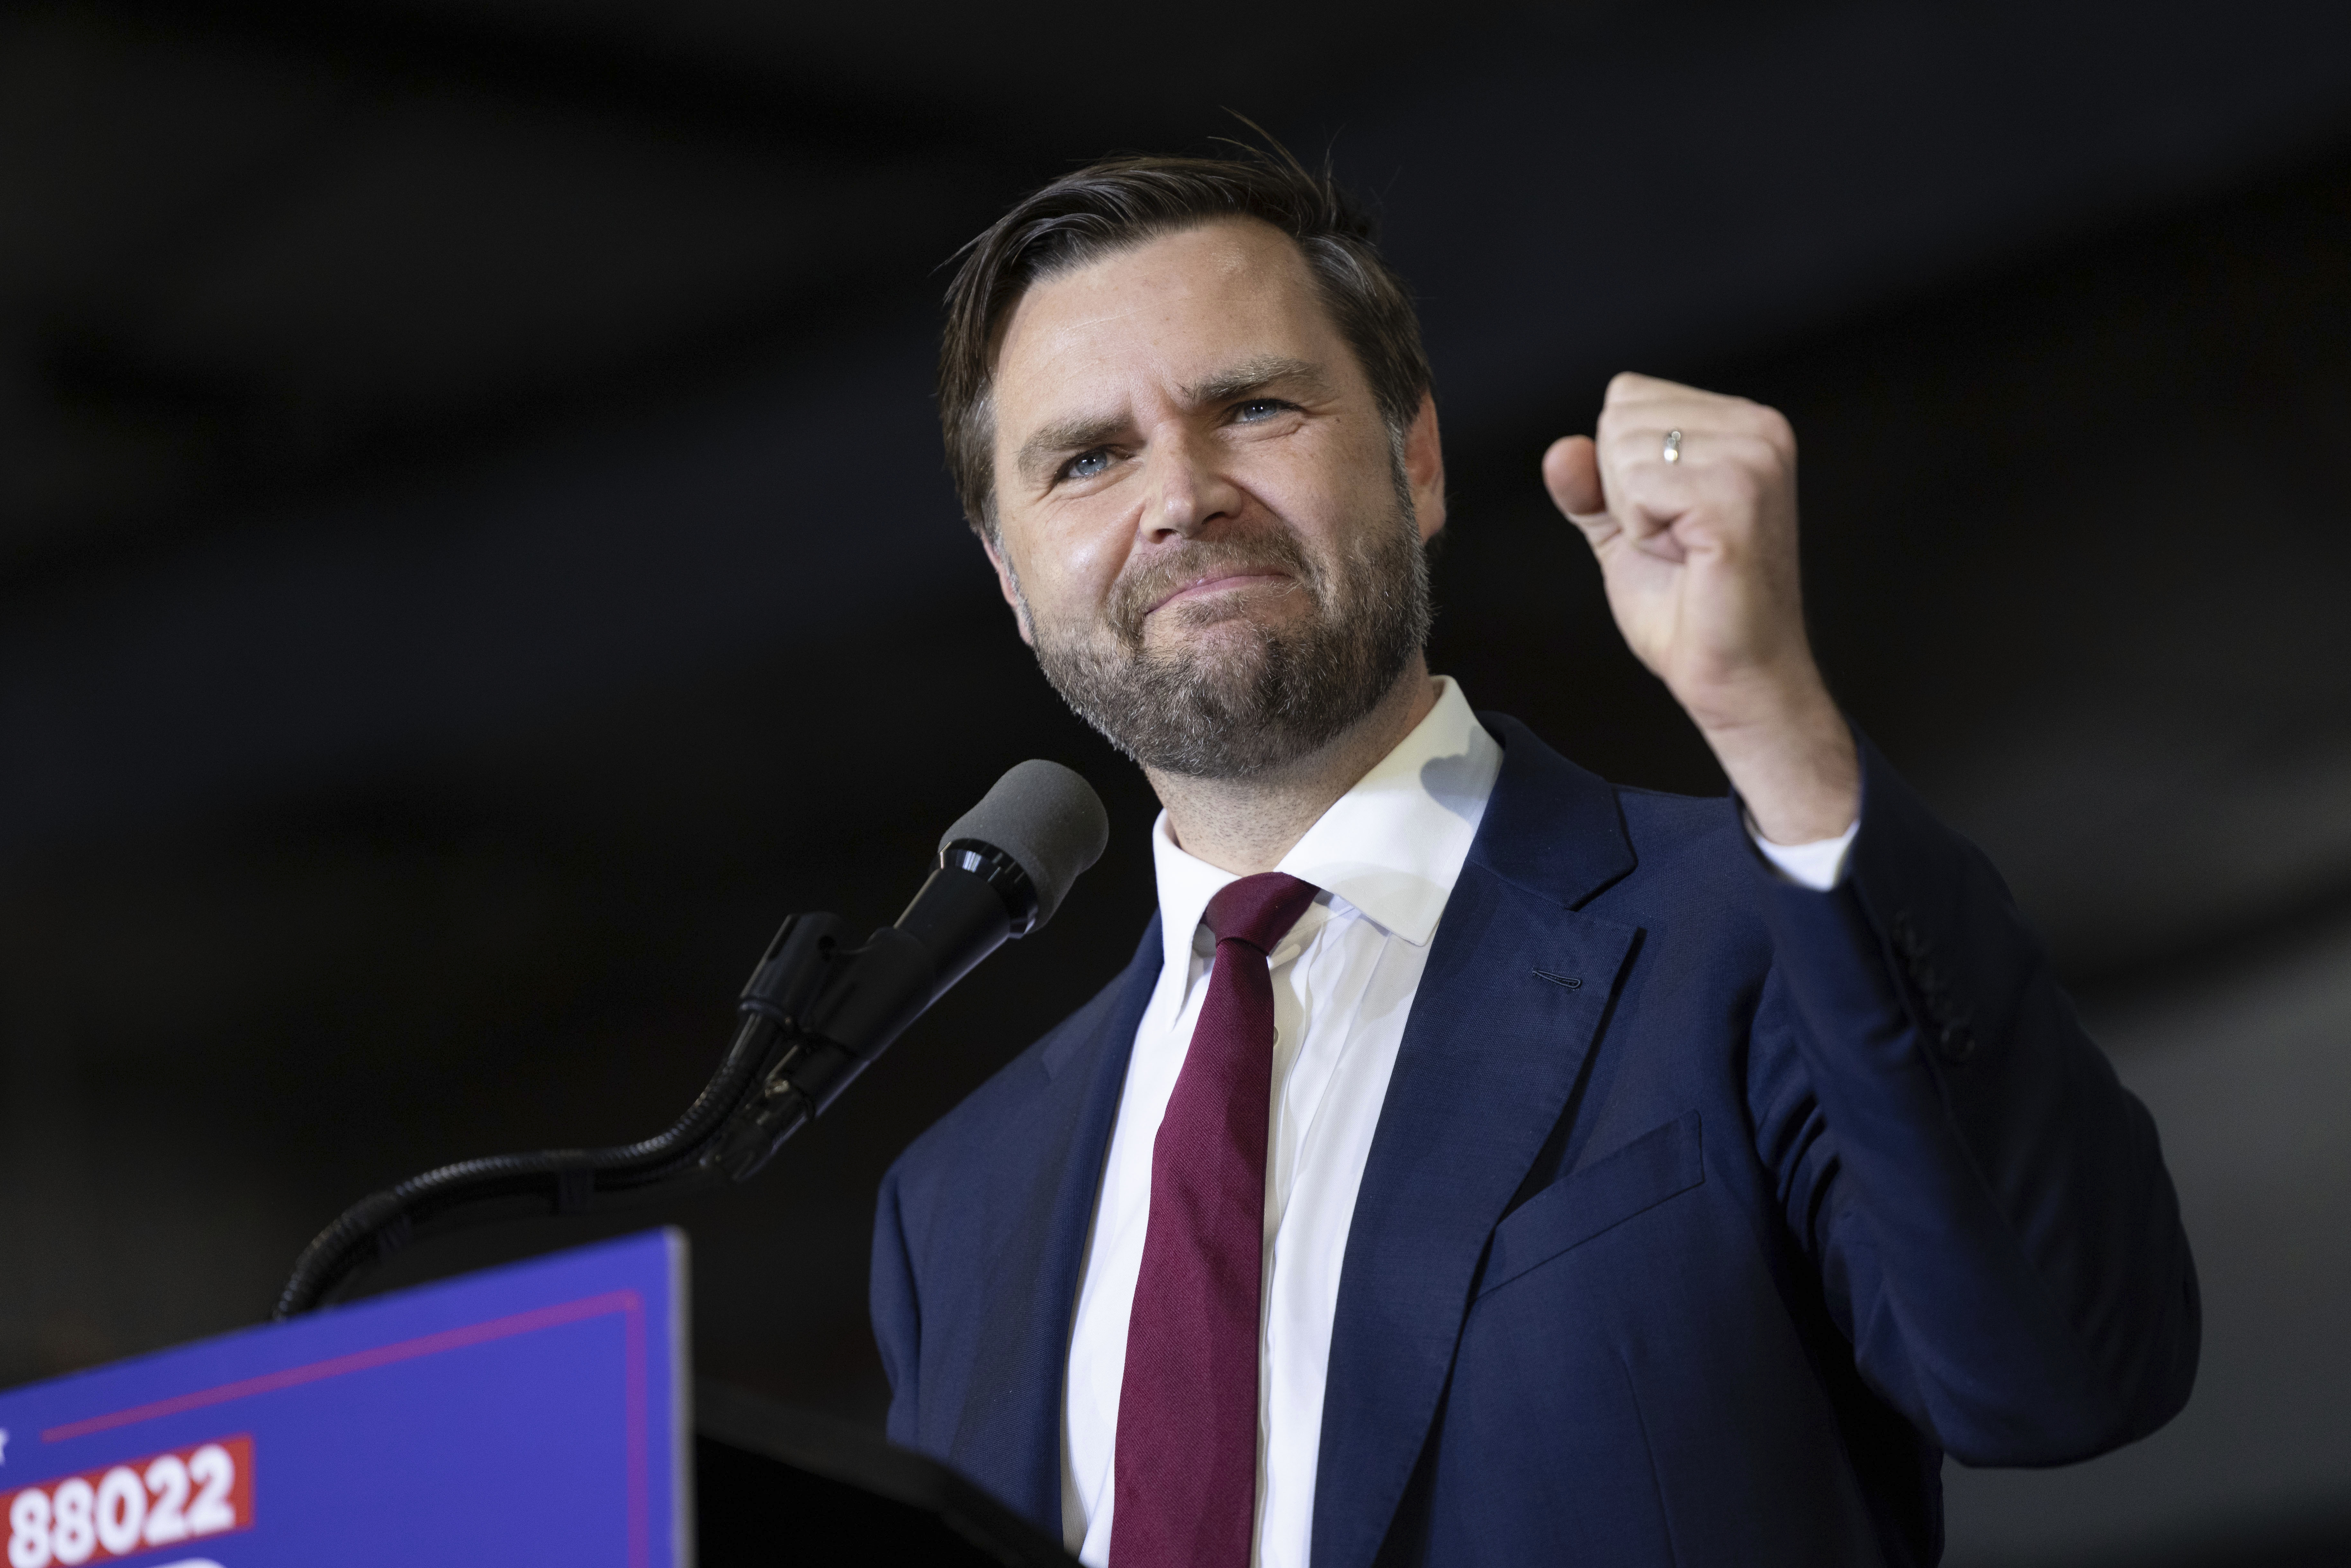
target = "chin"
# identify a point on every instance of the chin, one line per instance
(1224, 621)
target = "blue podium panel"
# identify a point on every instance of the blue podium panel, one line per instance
(530, 1414)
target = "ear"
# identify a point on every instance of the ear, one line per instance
(1009, 586)
(1424, 468)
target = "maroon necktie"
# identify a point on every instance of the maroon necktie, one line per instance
(1185, 1464)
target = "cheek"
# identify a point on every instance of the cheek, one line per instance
(1072, 558)
(1329, 486)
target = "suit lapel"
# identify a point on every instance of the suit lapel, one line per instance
(1010, 1436)
(1493, 1048)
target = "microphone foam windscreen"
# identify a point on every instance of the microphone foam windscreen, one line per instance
(1046, 818)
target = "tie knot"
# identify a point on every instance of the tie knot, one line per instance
(1259, 910)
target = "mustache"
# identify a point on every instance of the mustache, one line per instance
(1145, 586)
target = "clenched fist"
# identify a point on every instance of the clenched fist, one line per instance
(1696, 536)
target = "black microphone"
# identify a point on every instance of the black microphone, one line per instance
(1004, 868)
(815, 1014)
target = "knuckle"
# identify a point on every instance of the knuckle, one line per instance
(1738, 484)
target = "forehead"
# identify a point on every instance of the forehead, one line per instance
(1173, 312)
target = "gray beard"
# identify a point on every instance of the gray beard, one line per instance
(1260, 698)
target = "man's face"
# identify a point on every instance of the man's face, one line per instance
(1202, 523)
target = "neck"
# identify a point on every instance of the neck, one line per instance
(1246, 825)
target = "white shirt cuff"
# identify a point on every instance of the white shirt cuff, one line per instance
(1819, 865)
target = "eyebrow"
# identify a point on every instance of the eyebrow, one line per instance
(1082, 433)
(1256, 375)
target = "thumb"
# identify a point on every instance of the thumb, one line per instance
(1570, 472)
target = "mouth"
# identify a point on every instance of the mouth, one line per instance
(1210, 584)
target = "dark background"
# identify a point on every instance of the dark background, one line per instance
(473, 555)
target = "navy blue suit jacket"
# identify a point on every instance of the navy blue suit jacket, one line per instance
(1704, 1215)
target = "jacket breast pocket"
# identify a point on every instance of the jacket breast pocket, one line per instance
(1659, 1164)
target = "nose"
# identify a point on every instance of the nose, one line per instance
(1190, 493)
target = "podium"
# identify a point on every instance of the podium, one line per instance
(544, 1412)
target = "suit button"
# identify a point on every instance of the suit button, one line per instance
(1957, 1043)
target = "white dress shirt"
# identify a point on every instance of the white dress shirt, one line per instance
(1386, 856)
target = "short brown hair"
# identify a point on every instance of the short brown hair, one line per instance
(1123, 201)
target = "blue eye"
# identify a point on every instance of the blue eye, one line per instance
(1086, 465)
(1258, 410)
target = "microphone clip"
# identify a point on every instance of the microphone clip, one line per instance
(829, 1010)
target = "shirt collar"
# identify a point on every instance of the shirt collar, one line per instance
(1392, 847)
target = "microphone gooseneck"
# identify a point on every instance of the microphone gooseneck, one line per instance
(816, 1012)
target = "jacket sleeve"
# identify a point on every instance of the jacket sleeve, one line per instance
(1987, 1205)
(896, 1313)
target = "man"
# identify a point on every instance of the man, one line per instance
(1477, 1163)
